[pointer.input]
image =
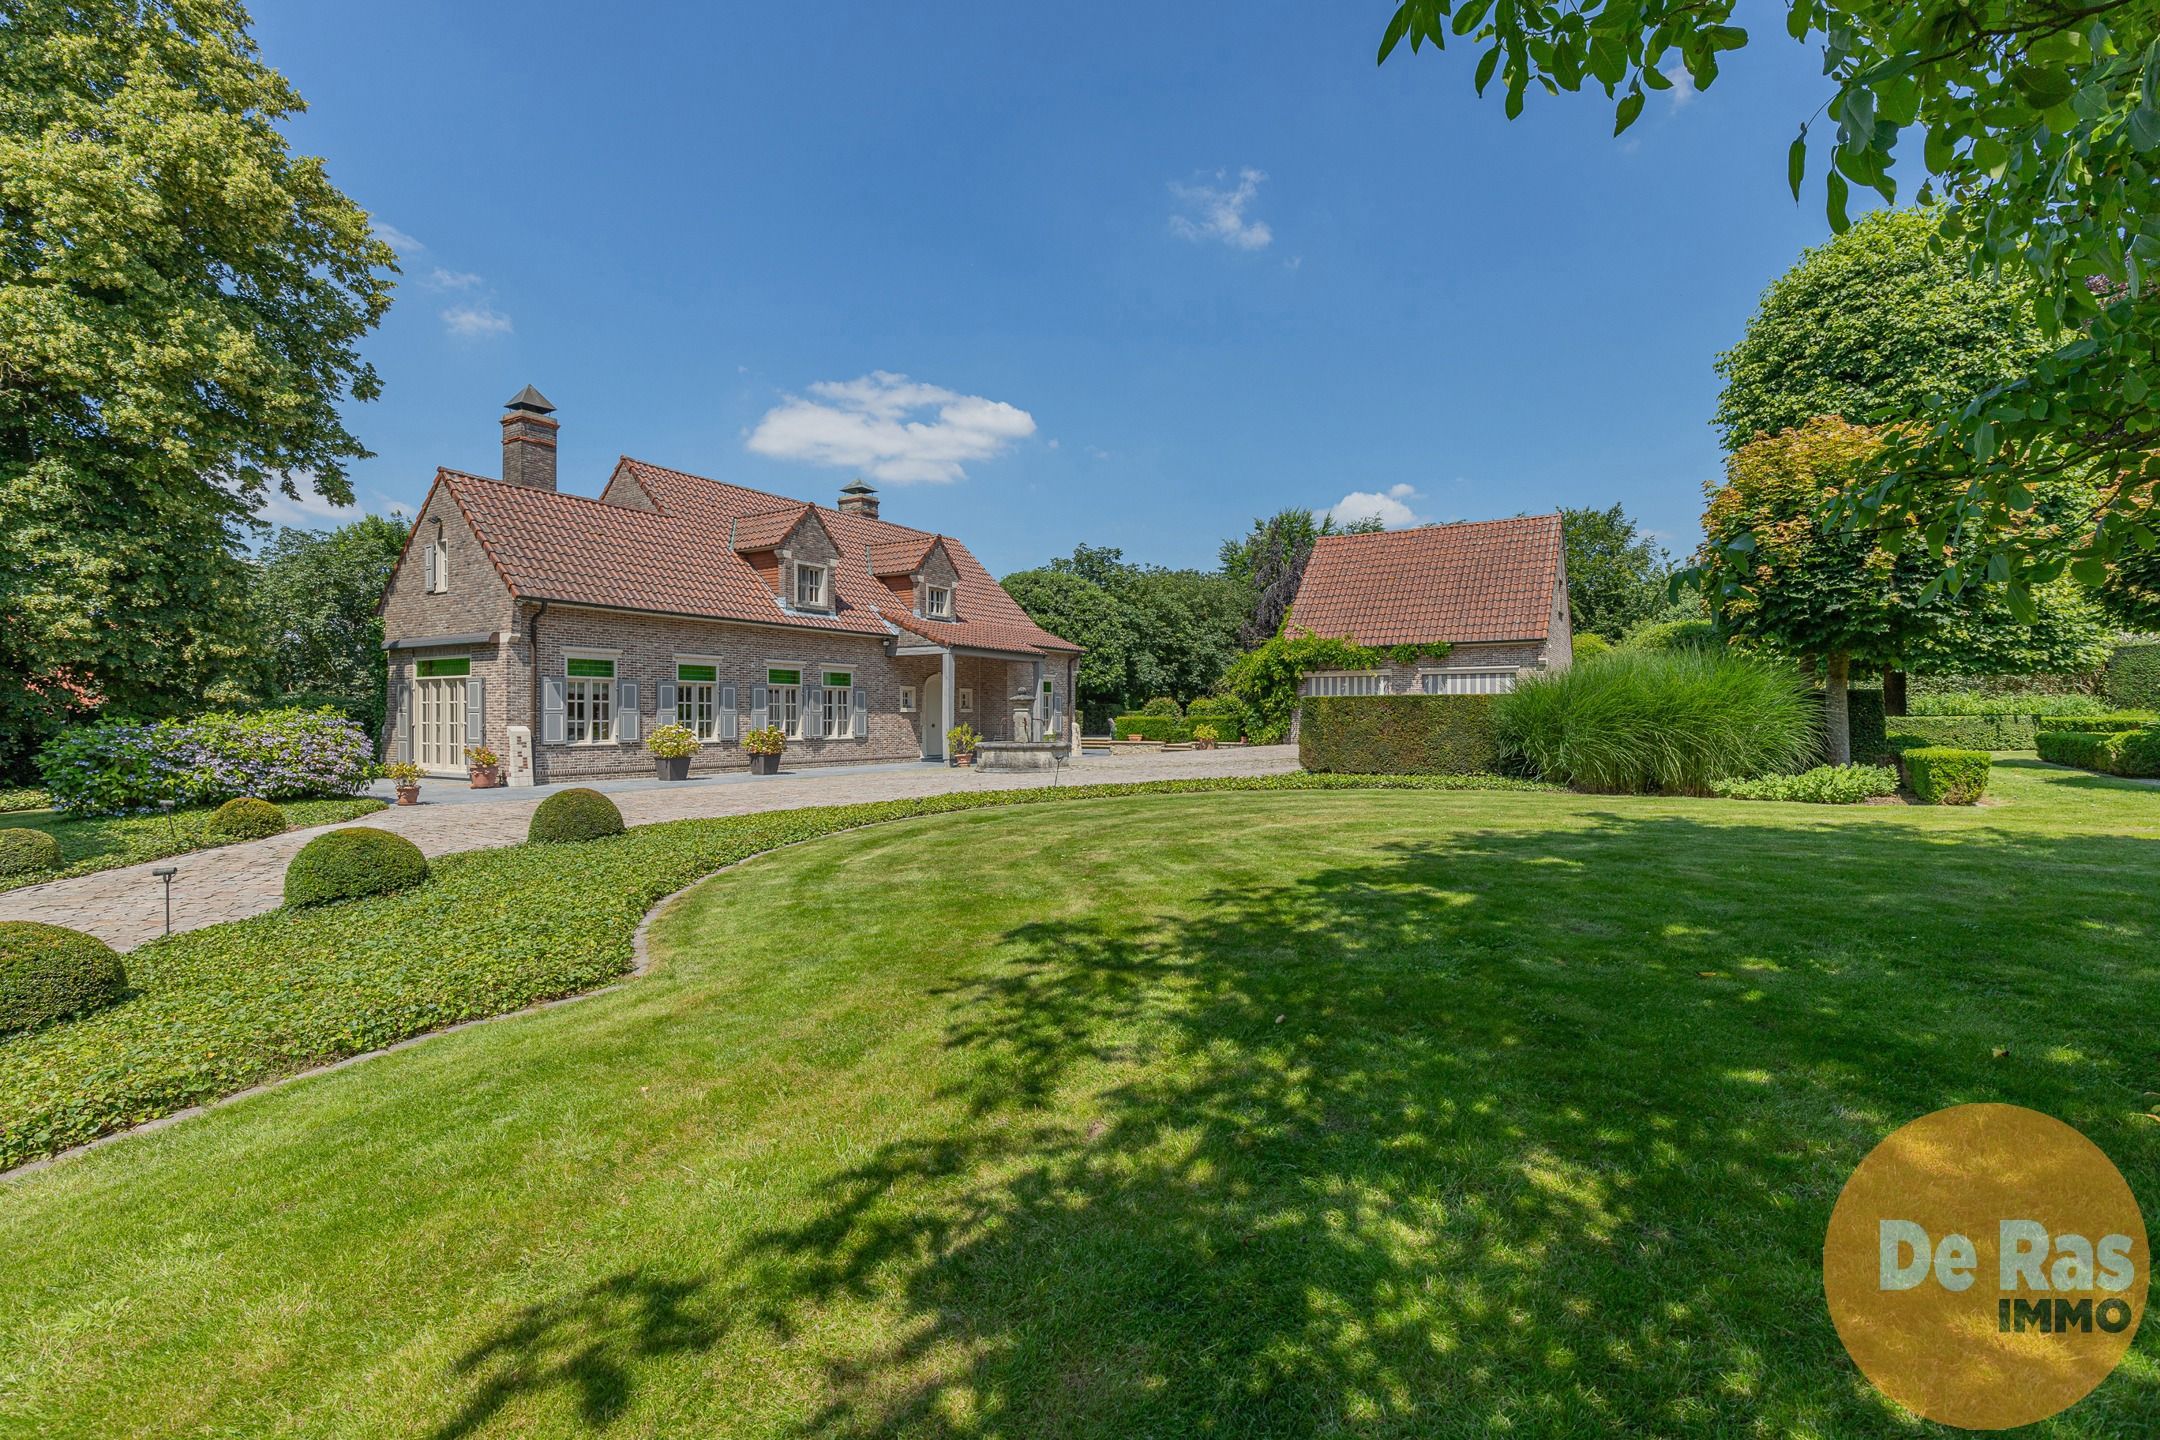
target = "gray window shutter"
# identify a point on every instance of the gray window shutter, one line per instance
(813, 711)
(759, 708)
(664, 704)
(429, 549)
(401, 713)
(626, 712)
(476, 711)
(862, 713)
(553, 691)
(727, 712)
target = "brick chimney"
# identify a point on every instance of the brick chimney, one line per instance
(858, 498)
(529, 440)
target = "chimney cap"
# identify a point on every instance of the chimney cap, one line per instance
(530, 399)
(858, 486)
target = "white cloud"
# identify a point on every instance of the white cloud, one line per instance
(1391, 507)
(397, 239)
(442, 279)
(1217, 212)
(1683, 86)
(474, 322)
(890, 428)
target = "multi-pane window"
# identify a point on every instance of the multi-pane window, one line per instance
(839, 688)
(1348, 682)
(907, 699)
(785, 698)
(937, 602)
(810, 586)
(697, 700)
(589, 701)
(1466, 682)
(964, 700)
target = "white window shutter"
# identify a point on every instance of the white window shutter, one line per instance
(727, 712)
(626, 712)
(442, 565)
(759, 707)
(861, 715)
(552, 695)
(429, 551)
(664, 704)
(475, 711)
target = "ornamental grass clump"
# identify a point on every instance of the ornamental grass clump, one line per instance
(1660, 721)
(48, 973)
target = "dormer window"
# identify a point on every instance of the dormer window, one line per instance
(937, 602)
(810, 587)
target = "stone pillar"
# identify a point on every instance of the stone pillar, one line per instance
(520, 758)
(945, 678)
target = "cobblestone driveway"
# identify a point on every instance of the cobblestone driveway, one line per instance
(127, 907)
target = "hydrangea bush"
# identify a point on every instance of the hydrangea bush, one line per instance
(119, 769)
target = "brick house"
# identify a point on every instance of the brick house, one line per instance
(558, 630)
(1493, 591)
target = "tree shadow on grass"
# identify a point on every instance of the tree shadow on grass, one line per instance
(1507, 1131)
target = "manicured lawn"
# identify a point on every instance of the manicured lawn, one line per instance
(1242, 1114)
(106, 842)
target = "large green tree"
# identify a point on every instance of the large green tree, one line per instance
(181, 299)
(1617, 576)
(316, 597)
(1267, 562)
(2042, 141)
(1148, 630)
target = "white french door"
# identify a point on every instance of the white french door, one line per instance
(439, 724)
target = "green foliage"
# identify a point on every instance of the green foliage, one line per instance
(2134, 753)
(575, 815)
(351, 864)
(962, 739)
(1205, 734)
(1666, 721)
(1265, 681)
(1824, 785)
(278, 754)
(1225, 714)
(50, 973)
(1943, 776)
(229, 1006)
(23, 798)
(1399, 735)
(90, 843)
(1266, 564)
(28, 852)
(771, 740)
(672, 742)
(181, 306)
(315, 597)
(2042, 135)
(1673, 635)
(1587, 645)
(1866, 723)
(1164, 728)
(2133, 677)
(246, 818)
(1973, 702)
(1146, 630)
(2003, 732)
(1163, 705)
(1617, 577)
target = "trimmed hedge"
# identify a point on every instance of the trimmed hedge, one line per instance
(48, 973)
(229, 1006)
(1865, 719)
(1226, 715)
(1943, 776)
(1152, 727)
(2134, 753)
(570, 816)
(246, 818)
(1673, 635)
(1399, 735)
(350, 864)
(1163, 705)
(26, 852)
(2000, 732)
(2133, 677)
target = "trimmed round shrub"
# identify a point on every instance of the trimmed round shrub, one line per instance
(48, 973)
(568, 816)
(1163, 705)
(347, 864)
(247, 818)
(25, 852)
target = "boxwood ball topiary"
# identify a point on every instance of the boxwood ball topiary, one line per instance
(571, 815)
(48, 973)
(25, 852)
(247, 818)
(347, 864)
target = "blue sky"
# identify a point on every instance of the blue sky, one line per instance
(1150, 270)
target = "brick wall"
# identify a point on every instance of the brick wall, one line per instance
(476, 602)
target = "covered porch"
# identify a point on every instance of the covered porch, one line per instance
(1004, 695)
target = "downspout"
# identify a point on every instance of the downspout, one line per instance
(532, 658)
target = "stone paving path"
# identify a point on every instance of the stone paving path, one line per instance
(127, 906)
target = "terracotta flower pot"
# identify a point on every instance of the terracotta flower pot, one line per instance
(485, 779)
(408, 794)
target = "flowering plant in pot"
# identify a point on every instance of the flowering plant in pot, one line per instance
(672, 746)
(960, 743)
(764, 748)
(406, 777)
(484, 767)
(1205, 736)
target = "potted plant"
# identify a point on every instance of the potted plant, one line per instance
(764, 747)
(960, 743)
(406, 776)
(484, 767)
(672, 746)
(1205, 736)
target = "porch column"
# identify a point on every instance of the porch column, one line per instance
(946, 679)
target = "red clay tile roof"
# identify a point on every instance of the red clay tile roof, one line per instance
(900, 557)
(678, 559)
(763, 532)
(1485, 580)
